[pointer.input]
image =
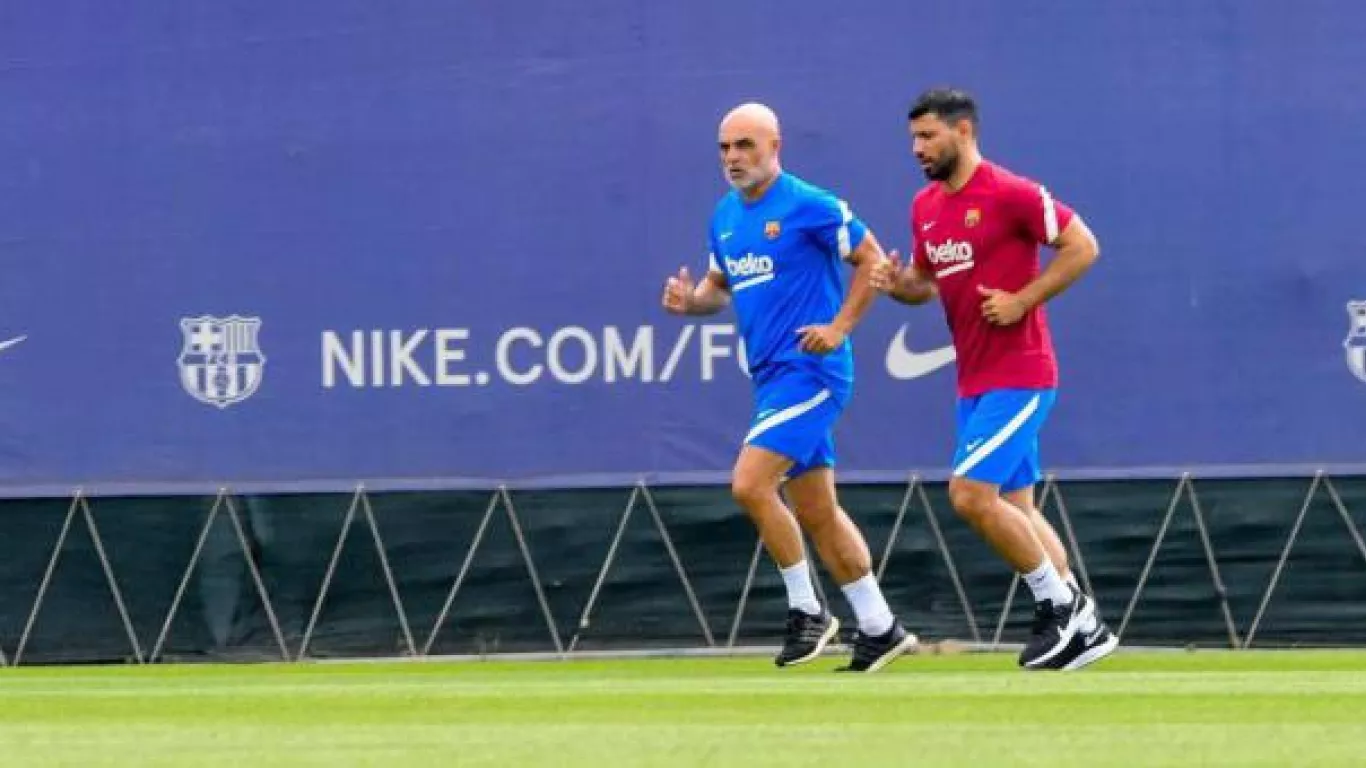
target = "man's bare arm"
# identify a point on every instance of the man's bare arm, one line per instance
(1077, 250)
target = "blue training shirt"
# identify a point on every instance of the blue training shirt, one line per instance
(782, 257)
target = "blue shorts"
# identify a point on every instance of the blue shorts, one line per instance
(998, 436)
(795, 411)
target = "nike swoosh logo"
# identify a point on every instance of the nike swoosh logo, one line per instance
(725, 235)
(926, 226)
(905, 363)
(7, 343)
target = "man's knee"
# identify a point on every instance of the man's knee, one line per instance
(819, 516)
(750, 489)
(973, 500)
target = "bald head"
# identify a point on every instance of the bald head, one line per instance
(749, 142)
(752, 118)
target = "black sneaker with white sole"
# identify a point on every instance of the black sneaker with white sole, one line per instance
(873, 653)
(1054, 627)
(806, 637)
(1086, 648)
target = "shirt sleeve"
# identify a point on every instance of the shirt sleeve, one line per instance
(1041, 216)
(919, 257)
(834, 225)
(713, 265)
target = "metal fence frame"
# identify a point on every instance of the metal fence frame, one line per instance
(502, 499)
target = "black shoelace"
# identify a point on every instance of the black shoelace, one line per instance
(804, 628)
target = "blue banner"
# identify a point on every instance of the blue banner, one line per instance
(305, 245)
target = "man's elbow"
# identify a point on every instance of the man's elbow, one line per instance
(1090, 249)
(1087, 246)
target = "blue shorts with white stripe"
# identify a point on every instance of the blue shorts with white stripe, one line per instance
(998, 436)
(795, 410)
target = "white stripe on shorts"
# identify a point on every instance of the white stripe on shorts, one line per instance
(997, 440)
(787, 414)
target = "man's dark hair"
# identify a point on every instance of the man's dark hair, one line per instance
(948, 104)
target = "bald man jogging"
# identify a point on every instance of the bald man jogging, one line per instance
(778, 245)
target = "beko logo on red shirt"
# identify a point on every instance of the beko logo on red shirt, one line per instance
(949, 252)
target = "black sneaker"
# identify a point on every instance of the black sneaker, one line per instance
(1086, 648)
(874, 653)
(807, 636)
(1054, 626)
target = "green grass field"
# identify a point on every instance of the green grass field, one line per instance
(1258, 708)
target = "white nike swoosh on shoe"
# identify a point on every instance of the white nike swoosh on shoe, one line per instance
(1092, 655)
(7, 343)
(1082, 609)
(905, 363)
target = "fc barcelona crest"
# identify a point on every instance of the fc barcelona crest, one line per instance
(220, 358)
(972, 218)
(1355, 343)
(772, 229)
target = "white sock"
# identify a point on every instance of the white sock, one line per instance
(1089, 625)
(801, 593)
(874, 617)
(1046, 584)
